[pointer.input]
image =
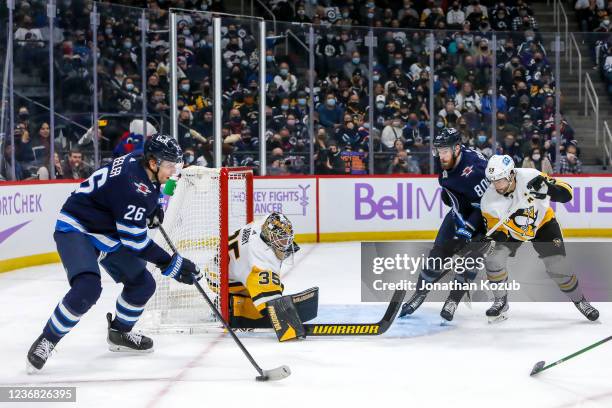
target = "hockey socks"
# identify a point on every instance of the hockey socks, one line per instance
(83, 294)
(126, 314)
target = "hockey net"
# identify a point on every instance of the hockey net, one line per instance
(207, 205)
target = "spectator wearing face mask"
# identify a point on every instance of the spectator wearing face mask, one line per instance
(301, 16)
(204, 123)
(185, 93)
(348, 134)
(188, 157)
(570, 163)
(585, 12)
(301, 105)
(285, 81)
(536, 160)
(524, 21)
(450, 113)
(483, 144)
(501, 20)
(129, 99)
(503, 126)
(328, 50)
(414, 130)
(455, 17)
(235, 123)
(354, 64)
(335, 164)
(330, 114)
(511, 147)
(392, 132)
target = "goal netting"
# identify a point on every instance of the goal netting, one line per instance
(207, 205)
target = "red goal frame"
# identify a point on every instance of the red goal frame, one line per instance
(224, 177)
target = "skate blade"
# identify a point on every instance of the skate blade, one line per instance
(405, 312)
(497, 319)
(122, 349)
(30, 369)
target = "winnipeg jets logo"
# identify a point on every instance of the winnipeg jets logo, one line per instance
(467, 171)
(142, 188)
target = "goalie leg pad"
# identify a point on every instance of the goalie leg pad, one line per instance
(285, 319)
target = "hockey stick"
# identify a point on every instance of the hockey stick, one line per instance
(359, 329)
(539, 366)
(274, 374)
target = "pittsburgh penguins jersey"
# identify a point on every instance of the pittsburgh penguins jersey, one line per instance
(111, 207)
(463, 187)
(254, 266)
(528, 213)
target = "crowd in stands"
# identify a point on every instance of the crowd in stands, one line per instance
(400, 73)
(594, 16)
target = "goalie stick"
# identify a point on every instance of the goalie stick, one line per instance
(359, 329)
(274, 374)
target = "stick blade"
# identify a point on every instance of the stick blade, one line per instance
(275, 374)
(537, 368)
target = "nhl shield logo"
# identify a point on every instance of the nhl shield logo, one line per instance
(142, 188)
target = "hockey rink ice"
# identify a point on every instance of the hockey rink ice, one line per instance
(417, 363)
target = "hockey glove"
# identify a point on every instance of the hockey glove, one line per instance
(156, 218)
(463, 236)
(535, 184)
(182, 269)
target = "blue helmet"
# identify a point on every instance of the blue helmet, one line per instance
(163, 147)
(448, 137)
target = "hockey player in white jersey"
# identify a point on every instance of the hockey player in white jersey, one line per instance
(521, 198)
(256, 253)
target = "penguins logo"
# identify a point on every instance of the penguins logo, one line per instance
(523, 221)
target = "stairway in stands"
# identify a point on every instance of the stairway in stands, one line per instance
(571, 107)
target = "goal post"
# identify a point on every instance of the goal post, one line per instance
(207, 206)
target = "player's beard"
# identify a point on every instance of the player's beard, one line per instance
(449, 165)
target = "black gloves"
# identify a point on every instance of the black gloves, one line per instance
(156, 218)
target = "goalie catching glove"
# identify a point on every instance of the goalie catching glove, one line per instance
(181, 269)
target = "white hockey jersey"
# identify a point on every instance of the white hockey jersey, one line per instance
(253, 265)
(528, 213)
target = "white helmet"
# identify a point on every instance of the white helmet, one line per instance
(500, 167)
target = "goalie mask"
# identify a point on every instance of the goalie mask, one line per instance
(277, 232)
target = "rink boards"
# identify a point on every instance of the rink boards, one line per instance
(322, 208)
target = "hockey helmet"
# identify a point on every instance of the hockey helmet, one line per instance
(163, 147)
(448, 137)
(500, 167)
